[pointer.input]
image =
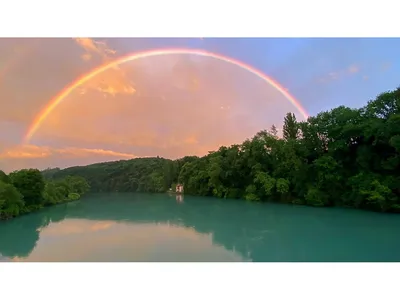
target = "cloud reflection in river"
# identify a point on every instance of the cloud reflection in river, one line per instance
(85, 240)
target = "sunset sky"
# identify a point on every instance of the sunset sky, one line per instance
(176, 104)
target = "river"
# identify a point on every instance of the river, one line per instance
(143, 227)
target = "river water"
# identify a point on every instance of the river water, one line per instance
(158, 228)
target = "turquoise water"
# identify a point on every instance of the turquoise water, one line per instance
(141, 227)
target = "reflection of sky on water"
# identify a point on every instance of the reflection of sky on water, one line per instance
(84, 240)
(141, 227)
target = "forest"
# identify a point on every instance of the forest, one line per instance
(27, 190)
(343, 157)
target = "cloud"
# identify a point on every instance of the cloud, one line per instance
(337, 75)
(353, 69)
(32, 156)
(30, 151)
(92, 46)
(385, 66)
(113, 81)
(33, 151)
(85, 152)
(191, 140)
(86, 56)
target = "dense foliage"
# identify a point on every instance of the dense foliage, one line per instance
(342, 157)
(26, 190)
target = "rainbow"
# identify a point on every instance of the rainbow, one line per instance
(138, 55)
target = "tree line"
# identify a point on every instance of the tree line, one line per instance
(27, 190)
(342, 157)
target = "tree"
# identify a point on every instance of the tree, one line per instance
(4, 177)
(273, 130)
(26, 190)
(290, 127)
(77, 184)
(282, 187)
(30, 183)
(11, 202)
(52, 194)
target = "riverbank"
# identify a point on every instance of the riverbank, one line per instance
(26, 191)
(28, 210)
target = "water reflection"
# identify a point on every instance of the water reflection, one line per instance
(19, 237)
(85, 240)
(179, 198)
(128, 227)
(104, 230)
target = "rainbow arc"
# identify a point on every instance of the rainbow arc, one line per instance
(54, 102)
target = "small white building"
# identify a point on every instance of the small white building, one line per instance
(179, 188)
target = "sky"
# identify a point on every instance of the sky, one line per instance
(172, 105)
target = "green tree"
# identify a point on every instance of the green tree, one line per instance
(315, 197)
(77, 184)
(25, 191)
(282, 188)
(73, 196)
(290, 127)
(273, 131)
(251, 193)
(52, 194)
(30, 183)
(11, 203)
(4, 177)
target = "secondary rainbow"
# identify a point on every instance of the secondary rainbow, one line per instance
(138, 55)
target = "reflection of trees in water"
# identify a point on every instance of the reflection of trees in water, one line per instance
(18, 237)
